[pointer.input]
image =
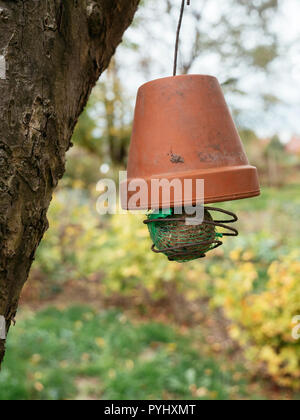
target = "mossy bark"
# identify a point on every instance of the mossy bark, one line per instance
(54, 51)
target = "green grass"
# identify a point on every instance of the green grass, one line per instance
(278, 197)
(268, 223)
(79, 353)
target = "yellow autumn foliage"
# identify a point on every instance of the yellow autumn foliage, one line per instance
(262, 321)
(257, 287)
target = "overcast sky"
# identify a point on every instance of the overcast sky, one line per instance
(289, 69)
(284, 81)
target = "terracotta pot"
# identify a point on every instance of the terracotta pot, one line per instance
(183, 129)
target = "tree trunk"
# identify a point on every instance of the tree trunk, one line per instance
(51, 54)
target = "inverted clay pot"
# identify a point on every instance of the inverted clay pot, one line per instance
(183, 130)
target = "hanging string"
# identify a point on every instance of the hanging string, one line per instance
(178, 34)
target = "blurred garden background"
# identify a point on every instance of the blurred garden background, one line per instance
(101, 315)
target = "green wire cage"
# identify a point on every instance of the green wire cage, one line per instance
(183, 242)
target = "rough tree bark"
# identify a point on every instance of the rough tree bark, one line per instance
(54, 52)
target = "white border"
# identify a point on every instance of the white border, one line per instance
(2, 67)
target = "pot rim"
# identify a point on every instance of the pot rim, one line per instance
(180, 76)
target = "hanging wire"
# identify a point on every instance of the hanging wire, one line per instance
(178, 34)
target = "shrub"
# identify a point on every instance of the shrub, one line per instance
(82, 246)
(262, 321)
(256, 283)
(132, 269)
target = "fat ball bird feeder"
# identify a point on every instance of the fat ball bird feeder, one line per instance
(183, 130)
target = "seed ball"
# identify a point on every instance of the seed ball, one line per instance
(182, 242)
